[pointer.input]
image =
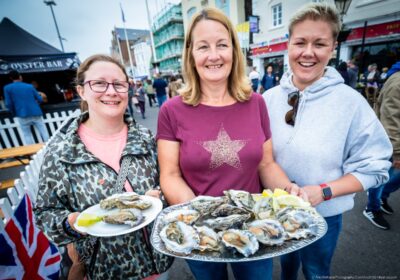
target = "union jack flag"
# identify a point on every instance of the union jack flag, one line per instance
(25, 252)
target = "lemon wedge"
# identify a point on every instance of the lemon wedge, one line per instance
(266, 193)
(86, 220)
(279, 192)
(292, 200)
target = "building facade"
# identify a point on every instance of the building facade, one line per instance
(381, 41)
(122, 47)
(143, 58)
(168, 34)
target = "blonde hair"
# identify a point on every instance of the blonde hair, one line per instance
(84, 67)
(317, 11)
(238, 84)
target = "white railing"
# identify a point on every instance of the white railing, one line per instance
(11, 133)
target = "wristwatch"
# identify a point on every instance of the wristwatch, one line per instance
(326, 191)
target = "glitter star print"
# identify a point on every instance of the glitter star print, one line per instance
(224, 150)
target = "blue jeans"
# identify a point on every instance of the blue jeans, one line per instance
(161, 99)
(384, 191)
(254, 270)
(315, 258)
(26, 123)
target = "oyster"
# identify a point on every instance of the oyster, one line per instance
(268, 232)
(206, 204)
(231, 221)
(298, 223)
(131, 217)
(138, 204)
(209, 239)
(114, 200)
(241, 198)
(188, 216)
(180, 238)
(263, 208)
(228, 209)
(242, 240)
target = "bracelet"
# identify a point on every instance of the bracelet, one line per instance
(69, 230)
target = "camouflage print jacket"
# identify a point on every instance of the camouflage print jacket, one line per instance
(72, 179)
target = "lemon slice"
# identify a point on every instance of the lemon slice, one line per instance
(266, 193)
(86, 220)
(292, 200)
(279, 192)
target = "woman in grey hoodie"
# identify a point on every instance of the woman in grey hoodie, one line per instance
(325, 135)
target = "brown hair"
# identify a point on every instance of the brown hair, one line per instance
(317, 11)
(84, 67)
(238, 84)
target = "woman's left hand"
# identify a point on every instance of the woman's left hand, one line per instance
(153, 193)
(294, 189)
(314, 193)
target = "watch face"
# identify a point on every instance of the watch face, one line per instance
(327, 193)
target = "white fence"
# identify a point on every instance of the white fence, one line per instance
(11, 133)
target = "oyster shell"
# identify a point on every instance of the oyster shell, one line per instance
(242, 240)
(138, 204)
(209, 239)
(206, 204)
(131, 217)
(231, 221)
(228, 209)
(188, 216)
(263, 208)
(180, 238)
(114, 200)
(241, 198)
(298, 223)
(267, 231)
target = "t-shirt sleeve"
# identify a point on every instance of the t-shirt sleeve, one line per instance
(166, 126)
(264, 118)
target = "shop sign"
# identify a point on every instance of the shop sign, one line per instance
(38, 64)
(387, 28)
(254, 24)
(269, 49)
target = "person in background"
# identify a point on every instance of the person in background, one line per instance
(81, 167)
(325, 136)
(42, 94)
(388, 111)
(352, 70)
(174, 86)
(148, 88)
(22, 100)
(215, 136)
(160, 85)
(141, 97)
(342, 69)
(254, 77)
(131, 94)
(269, 80)
(383, 76)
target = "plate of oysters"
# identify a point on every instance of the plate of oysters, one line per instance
(237, 227)
(119, 214)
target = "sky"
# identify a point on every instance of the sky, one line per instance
(85, 24)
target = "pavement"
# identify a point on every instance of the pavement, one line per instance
(363, 251)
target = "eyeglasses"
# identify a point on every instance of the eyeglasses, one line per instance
(293, 100)
(102, 86)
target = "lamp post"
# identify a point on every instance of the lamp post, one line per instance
(342, 6)
(51, 3)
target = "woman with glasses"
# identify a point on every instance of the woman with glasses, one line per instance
(215, 136)
(325, 135)
(81, 168)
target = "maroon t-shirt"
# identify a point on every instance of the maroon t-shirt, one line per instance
(220, 147)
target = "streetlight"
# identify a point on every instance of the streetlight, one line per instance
(342, 6)
(51, 3)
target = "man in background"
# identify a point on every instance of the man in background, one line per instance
(160, 85)
(254, 77)
(23, 100)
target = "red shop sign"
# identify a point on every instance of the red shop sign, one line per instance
(269, 49)
(375, 30)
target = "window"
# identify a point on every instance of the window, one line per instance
(277, 15)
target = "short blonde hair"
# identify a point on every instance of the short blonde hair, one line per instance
(238, 84)
(318, 11)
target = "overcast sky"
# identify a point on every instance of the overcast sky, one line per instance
(85, 24)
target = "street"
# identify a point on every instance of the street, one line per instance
(363, 252)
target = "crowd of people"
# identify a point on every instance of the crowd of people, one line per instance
(307, 131)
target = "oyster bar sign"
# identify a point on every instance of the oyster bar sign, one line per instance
(39, 64)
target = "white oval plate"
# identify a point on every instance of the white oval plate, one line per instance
(102, 229)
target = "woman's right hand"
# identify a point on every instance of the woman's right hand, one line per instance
(71, 220)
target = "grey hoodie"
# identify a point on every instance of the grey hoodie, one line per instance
(336, 133)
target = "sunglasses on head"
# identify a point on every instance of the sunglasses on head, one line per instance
(293, 100)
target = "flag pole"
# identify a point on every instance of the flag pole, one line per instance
(119, 45)
(151, 33)
(127, 41)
